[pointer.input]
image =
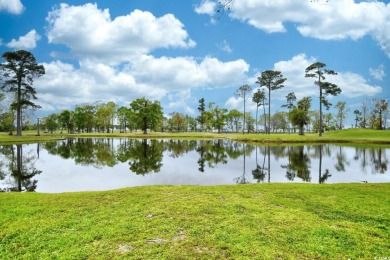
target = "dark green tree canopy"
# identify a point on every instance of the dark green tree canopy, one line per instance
(273, 80)
(299, 115)
(317, 70)
(146, 114)
(18, 73)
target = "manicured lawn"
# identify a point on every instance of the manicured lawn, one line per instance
(355, 136)
(358, 136)
(27, 137)
(256, 221)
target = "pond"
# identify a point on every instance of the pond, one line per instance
(82, 164)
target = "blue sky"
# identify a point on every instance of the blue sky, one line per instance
(179, 51)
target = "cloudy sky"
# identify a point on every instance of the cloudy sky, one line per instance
(179, 51)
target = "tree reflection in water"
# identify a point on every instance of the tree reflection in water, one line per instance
(18, 169)
(261, 171)
(375, 156)
(247, 151)
(146, 156)
(320, 149)
(299, 164)
(140, 153)
(341, 160)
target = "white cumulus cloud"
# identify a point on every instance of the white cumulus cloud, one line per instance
(332, 20)
(351, 84)
(91, 33)
(11, 6)
(180, 72)
(28, 41)
(146, 76)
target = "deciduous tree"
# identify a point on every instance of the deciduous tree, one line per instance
(380, 106)
(123, 117)
(234, 116)
(341, 113)
(146, 114)
(299, 115)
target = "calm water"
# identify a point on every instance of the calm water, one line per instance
(104, 164)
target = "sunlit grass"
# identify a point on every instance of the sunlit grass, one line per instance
(27, 137)
(357, 136)
(266, 221)
(342, 136)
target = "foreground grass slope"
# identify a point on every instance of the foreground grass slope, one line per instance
(287, 221)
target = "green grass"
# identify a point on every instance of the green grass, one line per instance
(354, 136)
(256, 221)
(357, 136)
(27, 137)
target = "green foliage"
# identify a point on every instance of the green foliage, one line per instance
(123, 118)
(19, 71)
(317, 70)
(250, 123)
(177, 122)
(146, 114)
(272, 80)
(380, 107)
(233, 119)
(219, 118)
(244, 92)
(65, 119)
(357, 114)
(7, 121)
(280, 121)
(341, 113)
(299, 115)
(84, 117)
(192, 124)
(259, 98)
(51, 122)
(104, 116)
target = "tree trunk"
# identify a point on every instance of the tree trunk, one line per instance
(320, 124)
(257, 110)
(301, 130)
(269, 109)
(19, 110)
(145, 126)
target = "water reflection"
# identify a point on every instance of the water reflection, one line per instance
(203, 162)
(298, 164)
(17, 170)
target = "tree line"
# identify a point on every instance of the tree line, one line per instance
(20, 69)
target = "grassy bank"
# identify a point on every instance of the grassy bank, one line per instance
(356, 136)
(352, 136)
(287, 221)
(27, 137)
